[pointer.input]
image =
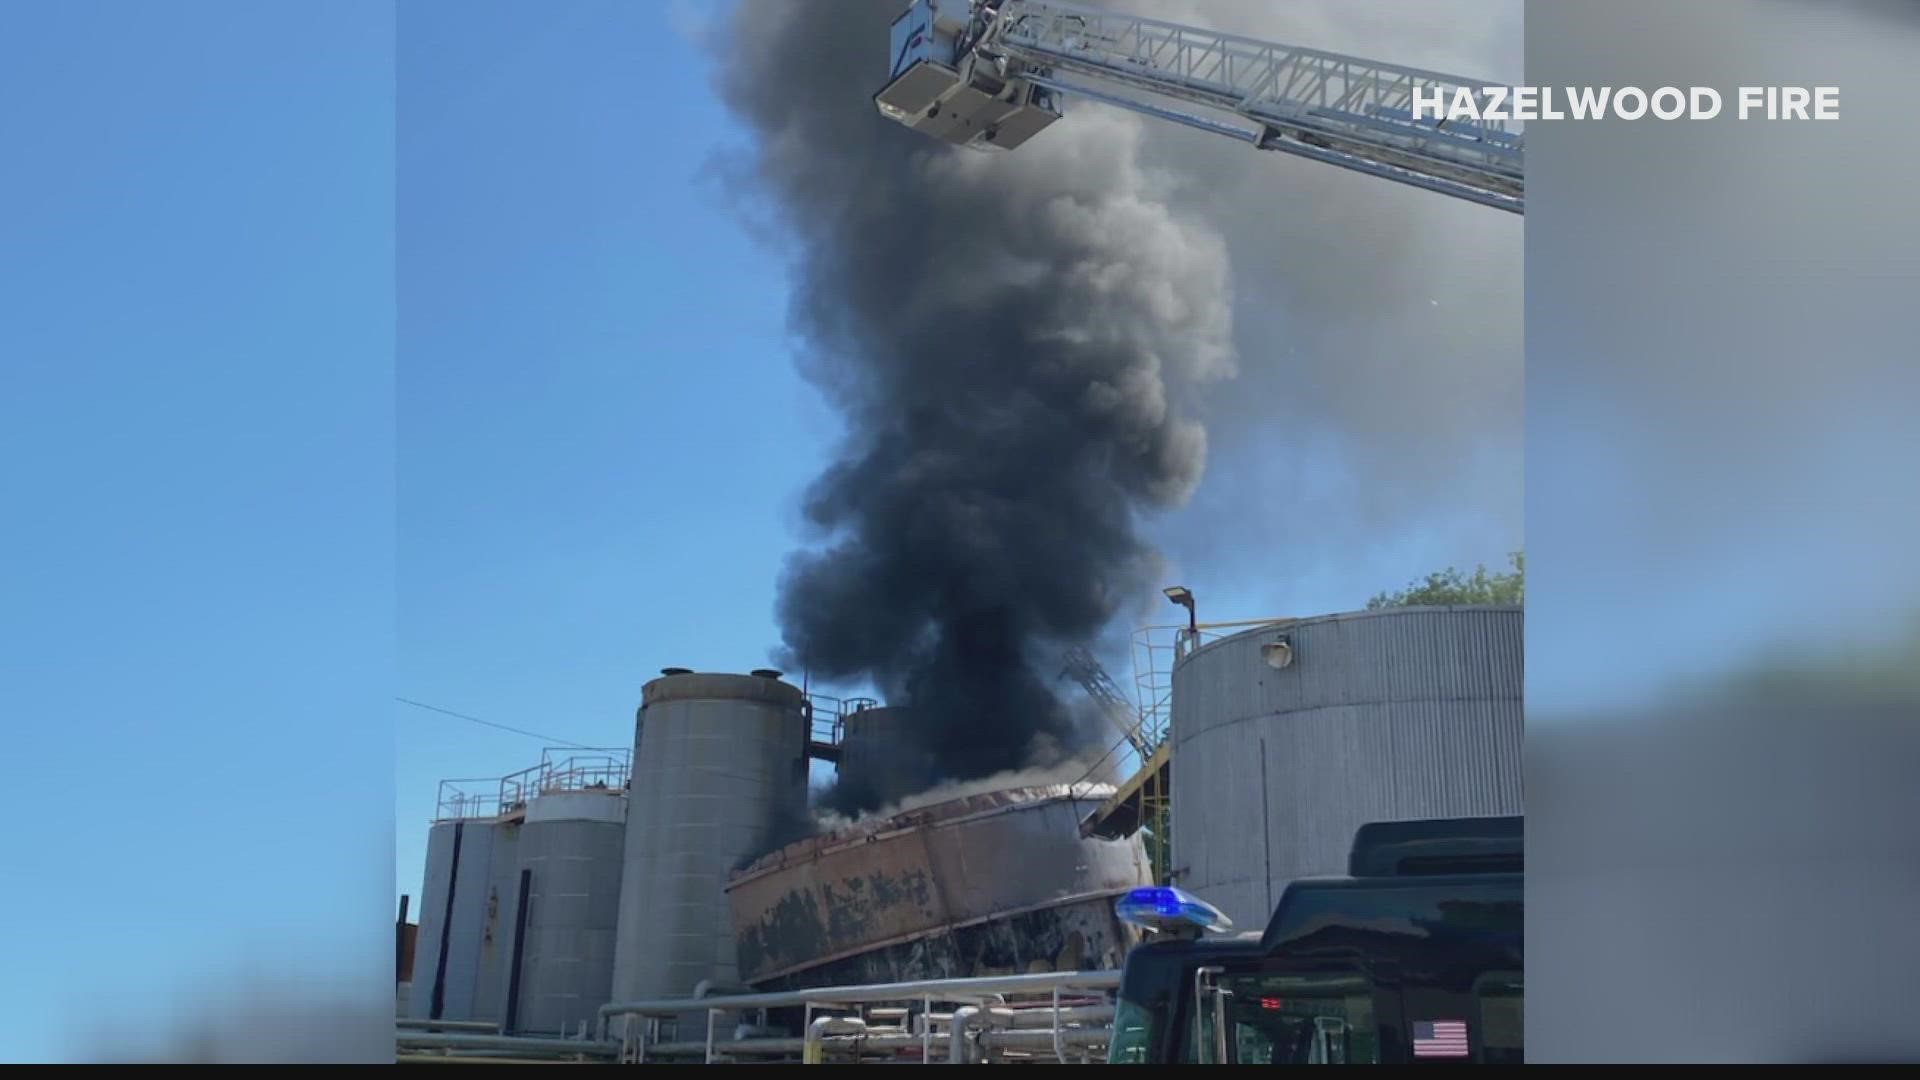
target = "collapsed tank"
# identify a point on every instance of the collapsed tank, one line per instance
(991, 884)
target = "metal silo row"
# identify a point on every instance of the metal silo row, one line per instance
(553, 836)
(1286, 738)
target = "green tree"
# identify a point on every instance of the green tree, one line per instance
(1451, 587)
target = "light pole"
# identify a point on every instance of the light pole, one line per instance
(1183, 596)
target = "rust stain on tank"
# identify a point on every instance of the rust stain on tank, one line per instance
(995, 883)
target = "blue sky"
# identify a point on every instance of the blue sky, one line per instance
(196, 437)
(602, 443)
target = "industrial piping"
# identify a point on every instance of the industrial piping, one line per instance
(416, 1040)
(943, 989)
(822, 1026)
(982, 992)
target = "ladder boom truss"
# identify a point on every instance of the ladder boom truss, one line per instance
(1340, 109)
(986, 75)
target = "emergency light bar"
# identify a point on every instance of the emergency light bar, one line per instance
(1167, 909)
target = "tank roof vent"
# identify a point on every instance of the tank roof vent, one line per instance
(676, 671)
(765, 673)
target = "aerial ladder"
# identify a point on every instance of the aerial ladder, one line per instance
(1082, 668)
(1143, 801)
(991, 74)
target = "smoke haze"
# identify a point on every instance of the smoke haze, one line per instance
(1024, 347)
(1374, 431)
(1071, 774)
(1013, 340)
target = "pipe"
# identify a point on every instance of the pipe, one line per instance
(464, 1041)
(938, 989)
(1032, 1021)
(487, 1026)
(957, 1033)
(1059, 1051)
(438, 999)
(884, 1040)
(511, 1022)
(814, 1053)
(1028, 1019)
(711, 987)
(400, 972)
(871, 1039)
(778, 1045)
(1045, 1041)
(428, 1058)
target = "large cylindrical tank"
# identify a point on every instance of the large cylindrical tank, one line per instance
(879, 758)
(992, 884)
(573, 848)
(500, 910)
(719, 774)
(458, 912)
(1289, 737)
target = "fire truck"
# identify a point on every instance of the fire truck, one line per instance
(1414, 957)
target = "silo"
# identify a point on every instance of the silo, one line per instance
(448, 956)
(572, 848)
(1289, 737)
(499, 907)
(879, 758)
(719, 769)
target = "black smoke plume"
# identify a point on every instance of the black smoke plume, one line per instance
(1011, 339)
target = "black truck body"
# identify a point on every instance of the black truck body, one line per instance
(1414, 957)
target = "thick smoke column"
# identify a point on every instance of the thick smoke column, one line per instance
(1010, 338)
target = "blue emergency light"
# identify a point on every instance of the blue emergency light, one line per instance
(1167, 909)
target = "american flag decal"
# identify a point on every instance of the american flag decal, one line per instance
(1439, 1039)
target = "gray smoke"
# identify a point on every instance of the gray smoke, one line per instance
(1071, 774)
(1023, 347)
(1374, 431)
(1014, 341)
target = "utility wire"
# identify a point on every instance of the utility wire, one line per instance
(491, 724)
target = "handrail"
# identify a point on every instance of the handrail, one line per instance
(976, 988)
(581, 769)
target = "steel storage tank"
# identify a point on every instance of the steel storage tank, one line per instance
(501, 905)
(993, 884)
(449, 953)
(1289, 737)
(719, 769)
(572, 848)
(878, 756)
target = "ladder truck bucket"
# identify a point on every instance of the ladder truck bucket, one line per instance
(947, 92)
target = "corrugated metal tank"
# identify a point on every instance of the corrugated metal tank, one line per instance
(502, 905)
(451, 956)
(991, 884)
(1383, 715)
(719, 767)
(573, 845)
(877, 755)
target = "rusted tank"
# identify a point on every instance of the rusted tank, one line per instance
(990, 884)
